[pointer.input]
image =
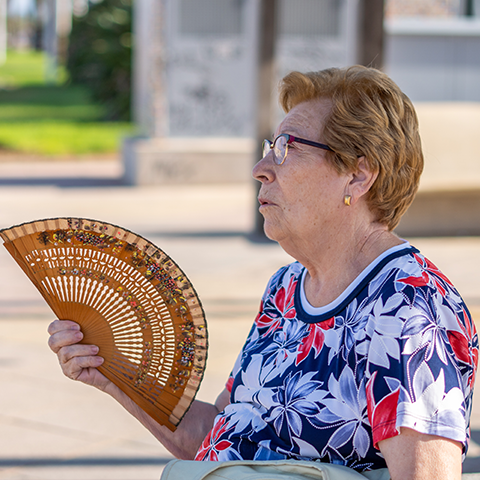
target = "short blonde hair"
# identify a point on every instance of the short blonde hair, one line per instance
(370, 116)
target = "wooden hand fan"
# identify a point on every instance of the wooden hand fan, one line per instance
(130, 299)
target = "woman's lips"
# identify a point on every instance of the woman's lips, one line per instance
(264, 202)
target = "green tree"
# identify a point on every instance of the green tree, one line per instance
(99, 54)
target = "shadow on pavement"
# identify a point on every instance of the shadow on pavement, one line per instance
(84, 462)
(197, 234)
(64, 182)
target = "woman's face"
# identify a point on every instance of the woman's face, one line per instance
(303, 198)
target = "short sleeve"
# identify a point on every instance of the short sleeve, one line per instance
(421, 362)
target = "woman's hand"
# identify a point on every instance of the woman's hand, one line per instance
(78, 361)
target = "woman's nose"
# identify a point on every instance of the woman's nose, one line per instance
(262, 171)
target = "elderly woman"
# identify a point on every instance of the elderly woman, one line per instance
(363, 353)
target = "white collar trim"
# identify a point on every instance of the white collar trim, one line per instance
(315, 311)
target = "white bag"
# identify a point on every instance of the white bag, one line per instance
(265, 470)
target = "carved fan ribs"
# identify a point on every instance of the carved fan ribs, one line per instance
(129, 298)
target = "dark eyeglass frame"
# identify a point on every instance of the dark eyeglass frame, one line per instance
(268, 145)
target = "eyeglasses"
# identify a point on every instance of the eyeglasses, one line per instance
(281, 143)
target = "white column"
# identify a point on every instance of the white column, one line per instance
(150, 107)
(50, 40)
(3, 31)
(64, 27)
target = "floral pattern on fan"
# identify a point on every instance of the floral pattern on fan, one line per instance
(130, 299)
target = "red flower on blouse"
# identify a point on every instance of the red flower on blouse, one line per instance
(314, 339)
(281, 306)
(430, 273)
(464, 344)
(211, 446)
(382, 415)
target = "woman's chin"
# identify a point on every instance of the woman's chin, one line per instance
(272, 232)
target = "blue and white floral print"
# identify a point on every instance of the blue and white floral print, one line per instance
(397, 349)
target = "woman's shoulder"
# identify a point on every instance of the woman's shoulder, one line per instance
(415, 288)
(287, 272)
(417, 271)
(410, 289)
(285, 277)
(406, 266)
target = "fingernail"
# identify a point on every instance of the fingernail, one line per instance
(95, 349)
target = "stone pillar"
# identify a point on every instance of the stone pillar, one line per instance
(49, 39)
(156, 157)
(371, 33)
(56, 18)
(64, 11)
(150, 107)
(266, 76)
(3, 31)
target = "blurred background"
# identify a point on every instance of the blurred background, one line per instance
(183, 91)
(64, 77)
(149, 114)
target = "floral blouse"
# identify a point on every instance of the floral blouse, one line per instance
(397, 349)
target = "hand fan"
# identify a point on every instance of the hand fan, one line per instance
(130, 299)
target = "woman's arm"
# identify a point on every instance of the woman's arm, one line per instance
(79, 362)
(416, 456)
(190, 433)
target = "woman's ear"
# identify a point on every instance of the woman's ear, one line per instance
(361, 180)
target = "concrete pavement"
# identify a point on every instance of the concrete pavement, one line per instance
(53, 428)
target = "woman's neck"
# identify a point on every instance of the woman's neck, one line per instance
(333, 265)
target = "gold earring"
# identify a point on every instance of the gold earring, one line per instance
(347, 199)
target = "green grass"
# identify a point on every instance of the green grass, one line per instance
(63, 137)
(26, 68)
(51, 119)
(48, 102)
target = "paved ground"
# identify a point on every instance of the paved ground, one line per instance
(53, 428)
